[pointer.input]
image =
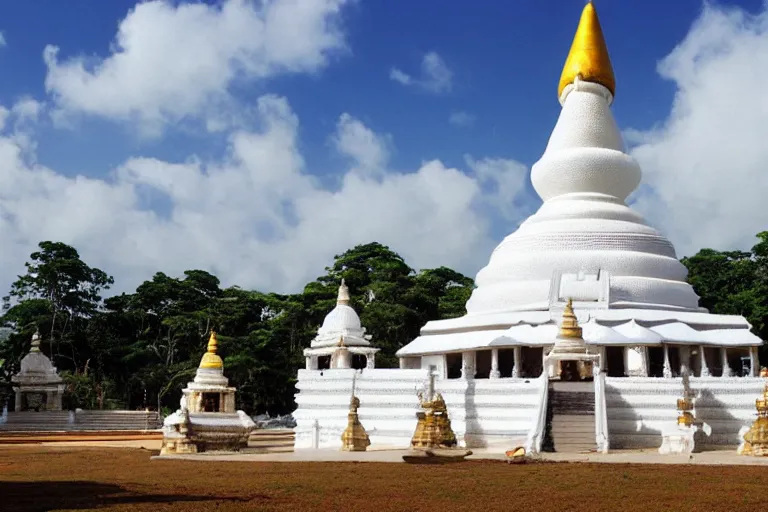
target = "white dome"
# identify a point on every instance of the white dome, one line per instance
(342, 318)
(584, 225)
(341, 324)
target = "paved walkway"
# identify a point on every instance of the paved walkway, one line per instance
(617, 457)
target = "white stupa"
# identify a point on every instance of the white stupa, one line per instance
(584, 243)
(339, 338)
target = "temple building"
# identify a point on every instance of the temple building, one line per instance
(627, 285)
(341, 341)
(206, 419)
(580, 327)
(38, 386)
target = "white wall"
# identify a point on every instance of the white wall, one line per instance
(498, 412)
(640, 408)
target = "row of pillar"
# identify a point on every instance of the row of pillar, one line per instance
(468, 362)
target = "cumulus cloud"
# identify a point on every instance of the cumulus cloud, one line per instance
(435, 75)
(461, 119)
(256, 217)
(170, 62)
(704, 168)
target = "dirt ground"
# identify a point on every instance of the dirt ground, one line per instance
(43, 478)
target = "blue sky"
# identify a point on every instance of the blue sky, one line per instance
(504, 59)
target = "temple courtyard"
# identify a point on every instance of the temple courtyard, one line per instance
(58, 476)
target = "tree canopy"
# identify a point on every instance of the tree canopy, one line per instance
(138, 350)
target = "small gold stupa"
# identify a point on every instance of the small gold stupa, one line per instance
(354, 438)
(756, 439)
(211, 359)
(433, 428)
(588, 58)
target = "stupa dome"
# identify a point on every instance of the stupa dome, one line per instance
(342, 321)
(584, 226)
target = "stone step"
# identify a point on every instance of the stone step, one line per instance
(575, 429)
(575, 447)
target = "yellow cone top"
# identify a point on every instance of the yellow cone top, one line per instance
(569, 328)
(588, 58)
(211, 359)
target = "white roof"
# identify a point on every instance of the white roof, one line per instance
(594, 332)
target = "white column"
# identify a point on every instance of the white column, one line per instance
(753, 362)
(726, 366)
(685, 359)
(370, 361)
(517, 368)
(704, 367)
(646, 361)
(17, 406)
(467, 365)
(495, 373)
(667, 366)
(308, 362)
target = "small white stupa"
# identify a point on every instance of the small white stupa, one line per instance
(340, 338)
(37, 386)
(207, 419)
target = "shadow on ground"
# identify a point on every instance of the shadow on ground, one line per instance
(55, 495)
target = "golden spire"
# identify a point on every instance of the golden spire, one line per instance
(569, 328)
(588, 58)
(211, 359)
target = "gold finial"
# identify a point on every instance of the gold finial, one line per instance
(569, 328)
(343, 297)
(211, 359)
(588, 58)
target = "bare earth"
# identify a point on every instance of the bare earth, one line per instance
(56, 477)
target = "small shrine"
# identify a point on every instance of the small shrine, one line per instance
(570, 357)
(354, 438)
(207, 419)
(38, 386)
(433, 427)
(341, 342)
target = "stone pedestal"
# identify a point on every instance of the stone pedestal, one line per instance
(678, 440)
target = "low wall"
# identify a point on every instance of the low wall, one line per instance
(639, 409)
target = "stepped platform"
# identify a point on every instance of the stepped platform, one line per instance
(67, 421)
(571, 417)
(270, 441)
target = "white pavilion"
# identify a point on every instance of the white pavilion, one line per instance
(341, 341)
(584, 255)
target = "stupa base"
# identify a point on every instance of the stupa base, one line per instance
(678, 440)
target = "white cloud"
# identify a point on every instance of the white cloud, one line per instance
(705, 166)
(461, 119)
(172, 62)
(3, 42)
(435, 75)
(368, 150)
(257, 217)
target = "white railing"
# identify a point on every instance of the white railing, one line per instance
(536, 435)
(601, 411)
